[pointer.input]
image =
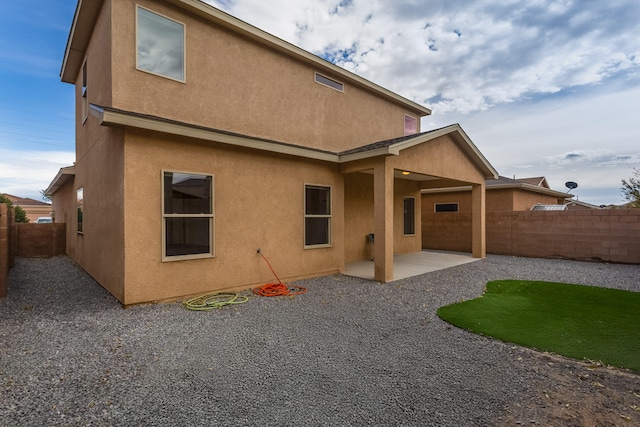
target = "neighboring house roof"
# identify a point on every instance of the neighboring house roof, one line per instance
(87, 12)
(24, 201)
(536, 185)
(583, 204)
(538, 181)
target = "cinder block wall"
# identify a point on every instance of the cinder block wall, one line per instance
(6, 251)
(40, 240)
(447, 231)
(607, 235)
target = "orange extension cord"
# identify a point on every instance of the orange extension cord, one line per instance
(277, 289)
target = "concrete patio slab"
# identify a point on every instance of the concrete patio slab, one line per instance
(411, 264)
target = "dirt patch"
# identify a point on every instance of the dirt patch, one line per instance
(575, 393)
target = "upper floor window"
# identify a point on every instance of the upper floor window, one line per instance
(160, 45)
(333, 84)
(317, 216)
(410, 125)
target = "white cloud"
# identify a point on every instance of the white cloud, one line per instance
(25, 173)
(531, 82)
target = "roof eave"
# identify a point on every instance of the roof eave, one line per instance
(532, 188)
(84, 19)
(63, 175)
(489, 172)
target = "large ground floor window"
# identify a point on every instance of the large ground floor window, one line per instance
(187, 216)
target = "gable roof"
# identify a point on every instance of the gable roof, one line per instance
(540, 181)
(87, 12)
(24, 201)
(115, 117)
(583, 204)
(535, 185)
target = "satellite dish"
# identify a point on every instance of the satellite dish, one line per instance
(571, 185)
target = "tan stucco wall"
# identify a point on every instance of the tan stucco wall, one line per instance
(406, 243)
(99, 249)
(259, 203)
(358, 216)
(63, 207)
(497, 200)
(236, 85)
(524, 200)
(99, 171)
(441, 157)
(500, 200)
(463, 199)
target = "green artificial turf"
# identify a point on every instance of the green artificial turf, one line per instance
(577, 321)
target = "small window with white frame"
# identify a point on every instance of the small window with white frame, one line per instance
(317, 216)
(187, 216)
(446, 207)
(409, 216)
(410, 125)
(333, 84)
(160, 45)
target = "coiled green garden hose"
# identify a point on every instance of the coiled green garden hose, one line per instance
(214, 300)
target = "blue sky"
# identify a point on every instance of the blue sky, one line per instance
(543, 88)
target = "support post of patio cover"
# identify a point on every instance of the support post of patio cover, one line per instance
(478, 222)
(383, 222)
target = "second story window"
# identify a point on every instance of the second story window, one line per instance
(160, 45)
(410, 125)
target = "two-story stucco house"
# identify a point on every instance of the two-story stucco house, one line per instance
(201, 138)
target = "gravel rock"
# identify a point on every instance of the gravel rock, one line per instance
(347, 352)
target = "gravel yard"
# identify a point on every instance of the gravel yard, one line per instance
(348, 352)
